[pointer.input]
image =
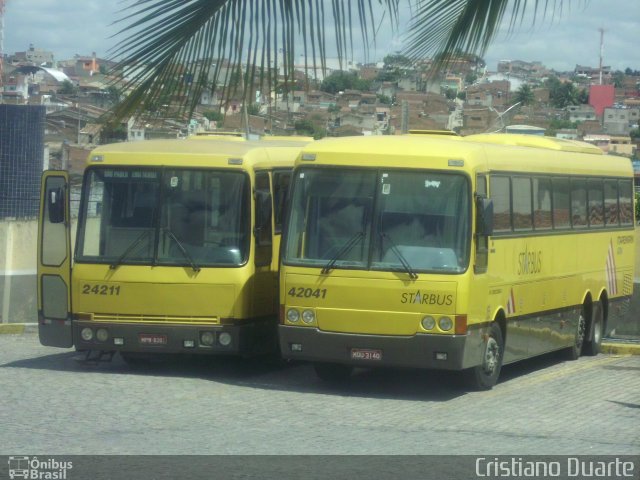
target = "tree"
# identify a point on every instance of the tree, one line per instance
(341, 81)
(161, 38)
(563, 94)
(67, 88)
(525, 95)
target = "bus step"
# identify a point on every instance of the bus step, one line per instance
(99, 355)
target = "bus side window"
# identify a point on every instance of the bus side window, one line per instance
(501, 195)
(263, 211)
(482, 241)
(281, 181)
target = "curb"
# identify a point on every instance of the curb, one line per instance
(18, 328)
(621, 348)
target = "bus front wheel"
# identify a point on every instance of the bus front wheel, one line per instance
(485, 375)
(592, 346)
(333, 372)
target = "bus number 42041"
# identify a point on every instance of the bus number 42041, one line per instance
(301, 292)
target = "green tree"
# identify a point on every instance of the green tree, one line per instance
(160, 38)
(563, 94)
(341, 81)
(525, 95)
(253, 109)
(67, 88)
(212, 115)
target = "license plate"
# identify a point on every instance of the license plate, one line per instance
(366, 354)
(152, 339)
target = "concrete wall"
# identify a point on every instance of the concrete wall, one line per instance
(18, 271)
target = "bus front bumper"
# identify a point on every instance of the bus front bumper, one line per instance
(250, 338)
(418, 351)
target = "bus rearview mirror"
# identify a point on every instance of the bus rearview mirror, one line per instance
(56, 205)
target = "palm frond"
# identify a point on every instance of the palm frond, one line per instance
(444, 29)
(175, 48)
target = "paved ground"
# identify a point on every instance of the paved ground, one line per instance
(51, 402)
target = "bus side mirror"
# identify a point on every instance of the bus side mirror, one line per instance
(56, 205)
(484, 209)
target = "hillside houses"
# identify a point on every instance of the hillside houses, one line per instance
(390, 99)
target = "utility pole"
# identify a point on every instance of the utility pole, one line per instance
(2, 2)
(601, 30)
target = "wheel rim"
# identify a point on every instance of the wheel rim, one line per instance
(491, 356)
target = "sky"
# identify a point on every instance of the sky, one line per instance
(71, 27)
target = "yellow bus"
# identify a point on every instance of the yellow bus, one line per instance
(455, 253)
(176, 249)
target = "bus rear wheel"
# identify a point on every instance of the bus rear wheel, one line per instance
(333, 372)
(578, 342)
(592, 346)
(485, 375)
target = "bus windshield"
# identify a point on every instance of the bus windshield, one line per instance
(390, 220)
(166, 216)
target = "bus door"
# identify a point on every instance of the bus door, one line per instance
(54, 261)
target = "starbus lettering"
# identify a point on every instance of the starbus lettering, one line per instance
(425, 298)
(529, 263)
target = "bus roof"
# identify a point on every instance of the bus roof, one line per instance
(206, 152)
(497, 152)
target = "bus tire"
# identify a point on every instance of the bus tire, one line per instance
(573, 353)
(592, 346)
(485, 375)
(333, 372)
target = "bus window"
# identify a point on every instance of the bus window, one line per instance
(521, 204)
(611, 215)
(578, 203)
(501, 196)
(625, 193)
(120, 214)
(263, 217)
(542, 203)
(203, 213)
(425, 217)
(561, 203)
(332, 217)
(596, 205)
(281, 181)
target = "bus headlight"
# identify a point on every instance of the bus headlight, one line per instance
(428, 323)
(86, 334)
(445, 324)
(308, 316)
(292, 315)
(207, 338)
(102, 335)
(225, 339)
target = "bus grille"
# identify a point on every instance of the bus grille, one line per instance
(128, 318)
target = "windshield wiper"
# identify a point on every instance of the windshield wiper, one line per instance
(183, 250)
(346, 248)
(129, 249)
(413, 275)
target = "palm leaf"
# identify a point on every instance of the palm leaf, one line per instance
(166, 42)
(445, 29)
